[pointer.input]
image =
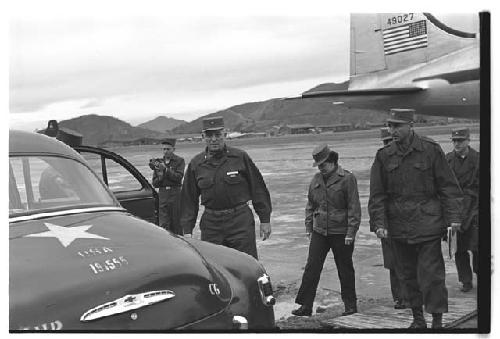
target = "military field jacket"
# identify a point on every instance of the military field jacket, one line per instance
(414, 195)
(333, 208)
(467, 173)
(172, 175)
(223, 184)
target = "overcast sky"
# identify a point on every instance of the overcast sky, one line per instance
(138, 64)
(136, 68)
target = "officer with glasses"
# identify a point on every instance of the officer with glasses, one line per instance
(226, 180)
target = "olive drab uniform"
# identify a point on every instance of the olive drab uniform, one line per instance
(225, 184)
(169, 183)
(466, 170)
(414, 195)
(333, 211)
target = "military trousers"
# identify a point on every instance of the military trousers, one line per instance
(388, 256)
(462, 261)
(235, 230)
(420, 268)
(169, 209)
(319, 247)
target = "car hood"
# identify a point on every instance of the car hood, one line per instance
(99, 271)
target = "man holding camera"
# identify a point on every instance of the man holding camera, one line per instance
(226, 179)
(167, 176)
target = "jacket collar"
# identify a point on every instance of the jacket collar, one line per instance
(338, 175)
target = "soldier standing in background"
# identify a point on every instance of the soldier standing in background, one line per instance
(333, 215)
(413, 195)
(464, 162)
(387, 252)
(167, 177)
(226, 179)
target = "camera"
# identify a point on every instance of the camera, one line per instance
(154, 163)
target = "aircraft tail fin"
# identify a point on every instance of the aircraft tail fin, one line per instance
(386, 46)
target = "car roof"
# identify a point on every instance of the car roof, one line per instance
(29, 142)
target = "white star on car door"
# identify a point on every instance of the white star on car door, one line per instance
(66, 235)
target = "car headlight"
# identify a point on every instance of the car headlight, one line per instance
(240, 322)
(266, 290)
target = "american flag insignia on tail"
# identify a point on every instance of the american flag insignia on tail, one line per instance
(405, 38)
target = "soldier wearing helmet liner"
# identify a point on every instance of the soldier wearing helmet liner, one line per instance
(226, 179)
(464, 162)
(413, 196)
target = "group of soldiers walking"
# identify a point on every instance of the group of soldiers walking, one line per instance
(417, 194)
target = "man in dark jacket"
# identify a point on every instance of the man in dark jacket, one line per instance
(413, 196)
(333, 215)
(167, 177)
(226, 179)
(464, 162)
(387, 252)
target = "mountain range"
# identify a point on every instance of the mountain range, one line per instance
(162, 124)
(248, 117)
(97, 129)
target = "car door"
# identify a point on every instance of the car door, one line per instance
(130, 187)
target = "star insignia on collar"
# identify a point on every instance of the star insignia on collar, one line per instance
(66, 235)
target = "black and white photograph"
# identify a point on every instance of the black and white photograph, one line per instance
(197, 169)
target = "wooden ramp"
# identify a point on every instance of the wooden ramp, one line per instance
(383, 317)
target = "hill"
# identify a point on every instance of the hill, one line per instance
(97, 129)
(261, 116)
(162, 124)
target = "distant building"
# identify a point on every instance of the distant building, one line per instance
(298, 129)
(335, 128)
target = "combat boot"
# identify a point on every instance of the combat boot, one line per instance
(466, 287)
(303, 311)
(399, 305)
(350, 308)
(437, 320)
(418, 318)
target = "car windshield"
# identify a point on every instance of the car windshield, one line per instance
(50, 183)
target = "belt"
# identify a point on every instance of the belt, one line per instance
(226, 211)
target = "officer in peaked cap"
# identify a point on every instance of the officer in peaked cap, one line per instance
(226, 179)
(413, 196)
(333, 215)
(168, 172)
(464, 162)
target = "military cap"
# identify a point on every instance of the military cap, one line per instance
(385, 134)
(321, 153)
(460, 133)
(213, 124)
(401, 115)
(169, 141)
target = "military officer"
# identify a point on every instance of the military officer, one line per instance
(413, 195)
(464, 162)
(332, 218)
(387, 252)
(167, 177)
(226, 179)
